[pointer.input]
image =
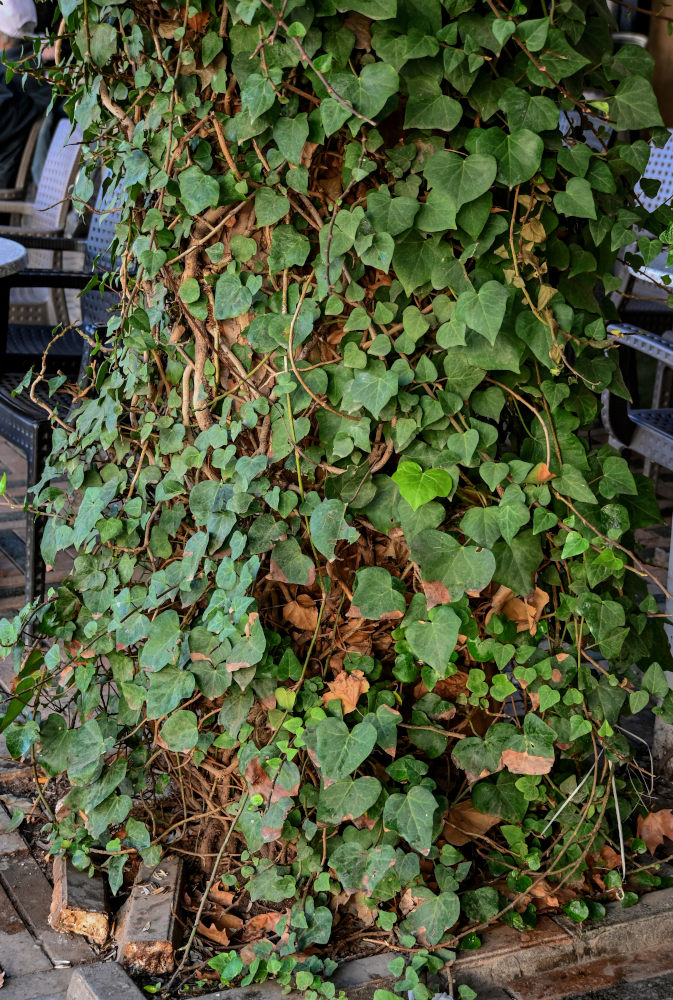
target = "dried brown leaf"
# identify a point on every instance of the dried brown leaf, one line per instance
(214, 932)
(222, 896)
(261, 784)
(347, 688)
(522, 762)
(464, 823)
(435, 593)
(302, 613)
(654, 827)
(265, 923)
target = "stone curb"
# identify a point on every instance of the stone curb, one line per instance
(103, 981)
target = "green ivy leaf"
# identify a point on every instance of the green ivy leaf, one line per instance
(340, 751)
(518, 153)
(617, 479)
(198, 191)
(289, 564)
(232, 298)
(270, 207)
(374, 388)
(103, 42)
(374, 595)
(257, 95)
(418, 486)
(634, 105)
(288, 248)
(412, 817)
(347, 800)
(290, 135)
(375, 9)
(180, 731)
(328, 524)
(433, 642)
(484, 310)
(432, 111)
(434, 917)
(577, 199)
(454, 567)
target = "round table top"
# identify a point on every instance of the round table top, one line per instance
(13, 257)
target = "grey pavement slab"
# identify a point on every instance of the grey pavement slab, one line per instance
(103, 981)
(623, 971)
(51, 985)
(644, 925)
(30, 892)
(20, 954)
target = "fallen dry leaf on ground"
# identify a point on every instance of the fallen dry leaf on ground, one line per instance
(347, 688)
(214, 933)
(654, 827)
(464, 824)
(302, 613)
(265, 923)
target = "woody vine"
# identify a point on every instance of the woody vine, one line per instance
(354, 589)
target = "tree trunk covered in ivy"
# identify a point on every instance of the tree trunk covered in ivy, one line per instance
(353, 583)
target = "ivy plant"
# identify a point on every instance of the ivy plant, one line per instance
(346, 548)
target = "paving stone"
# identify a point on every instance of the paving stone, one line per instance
(507, 954)
(648, 923)
(11, 842)
(147, 930)
(78, 903)
(609, 976)
(20, 954)
(103, 981)
(52, 985)
(269, 991)
(30, 892)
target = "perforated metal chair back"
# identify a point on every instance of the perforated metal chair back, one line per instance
(51, 206)
(97, 307)
(659, 167)
(52, 199)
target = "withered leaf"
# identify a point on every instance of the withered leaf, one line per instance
(522, 762)
(347, 688)
(654, 827)
(265, 923)
(464, 823)
(302, 613)
(214, 932)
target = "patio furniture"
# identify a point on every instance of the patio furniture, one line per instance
(46, 215)
(26, 424)
(23, 173)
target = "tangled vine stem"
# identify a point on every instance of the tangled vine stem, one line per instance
(354, 589)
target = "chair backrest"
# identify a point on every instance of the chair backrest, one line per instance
(27, 156)
(97, 307)
(60, 170)
(659, 167)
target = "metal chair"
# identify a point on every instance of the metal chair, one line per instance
(26, 424)
(46, 215)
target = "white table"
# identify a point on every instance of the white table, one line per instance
(13, 258)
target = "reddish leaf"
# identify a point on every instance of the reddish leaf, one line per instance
(522, 762)
(654, 827)
(347, 688)
(465, 823)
